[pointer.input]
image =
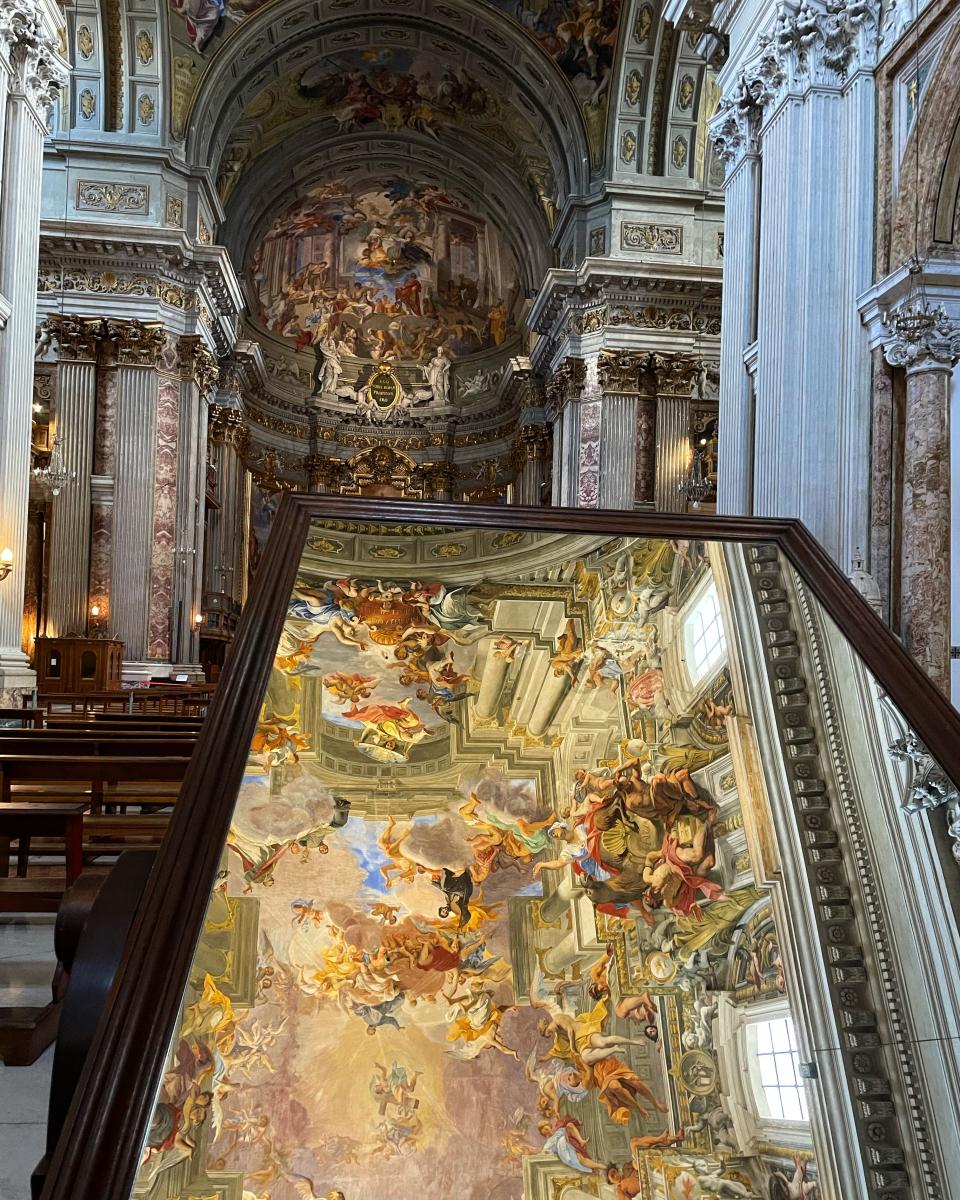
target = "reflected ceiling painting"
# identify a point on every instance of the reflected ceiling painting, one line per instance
(385, 269)
(486, 914)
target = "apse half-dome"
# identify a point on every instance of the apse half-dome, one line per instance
(383, 267)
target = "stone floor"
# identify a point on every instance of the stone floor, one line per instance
(26, 967)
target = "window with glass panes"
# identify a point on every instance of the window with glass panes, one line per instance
(780, 1091)
(706, 644)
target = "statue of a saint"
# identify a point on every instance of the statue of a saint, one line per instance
(437, 372)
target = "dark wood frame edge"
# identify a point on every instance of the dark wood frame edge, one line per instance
(98, 1153)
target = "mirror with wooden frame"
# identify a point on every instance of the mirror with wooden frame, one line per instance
(540, 855)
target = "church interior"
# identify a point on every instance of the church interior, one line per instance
(478, 641)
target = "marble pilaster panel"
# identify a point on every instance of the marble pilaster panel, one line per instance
(925, 545)
(160, 626)
(77, 341)
(133, 524)
(673, 452)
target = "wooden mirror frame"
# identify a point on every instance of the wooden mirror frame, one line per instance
(98, 1153)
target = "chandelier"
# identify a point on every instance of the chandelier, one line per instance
(54, 475)
(696, 486)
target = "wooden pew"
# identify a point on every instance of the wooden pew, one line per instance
(45, 777)
(123, 721)
(26, 821)
(76, 746)
(26, 718)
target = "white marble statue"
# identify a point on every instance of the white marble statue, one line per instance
(437, 372)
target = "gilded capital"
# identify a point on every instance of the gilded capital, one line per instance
(136, 343)
(620, 370)
(565, 382)
(228, 427)
(74, 337)
(197, 364)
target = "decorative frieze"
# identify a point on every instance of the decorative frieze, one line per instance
(656, 239)
(128, 198)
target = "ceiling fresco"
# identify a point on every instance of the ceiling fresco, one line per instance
(395, 91)
(580, 38)
(384, 269)
(486, 893)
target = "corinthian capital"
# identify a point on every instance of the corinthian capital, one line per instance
(39, 71)
(197, 364)
(136, 343)
(923, 339)
(819, 42)
(19, 23)
(75, 337)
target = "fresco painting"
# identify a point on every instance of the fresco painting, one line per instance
(485, 892)
(385, 270)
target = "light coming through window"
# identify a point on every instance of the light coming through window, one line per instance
(706, 643)
(781, 1089)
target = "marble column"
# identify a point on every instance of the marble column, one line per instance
(928, 348)
(31, 76)
(138, 348)
(496, 668)
(678, 378)
(77, 342)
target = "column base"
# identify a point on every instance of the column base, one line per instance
(17, 677)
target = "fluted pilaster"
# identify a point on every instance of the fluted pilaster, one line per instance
(19, 255)
(741, 245)
(673, 452)
(137, 398)
(71, 511)
(618, 451)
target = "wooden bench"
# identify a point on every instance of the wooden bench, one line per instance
(27, 821)
(26, 718)
(31, 895)
(137, 721)
(49, 777)
(70, 745)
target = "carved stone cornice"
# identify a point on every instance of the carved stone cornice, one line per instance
(565, 383)
(228, 427)
(852, 942)
(135, 343)
(196, 364)
(820, 43)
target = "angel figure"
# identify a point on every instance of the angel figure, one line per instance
(350, 689)
(568, 654)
